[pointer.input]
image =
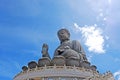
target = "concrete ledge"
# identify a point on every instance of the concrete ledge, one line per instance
(54, 71)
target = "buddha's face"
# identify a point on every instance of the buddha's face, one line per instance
(63, 35)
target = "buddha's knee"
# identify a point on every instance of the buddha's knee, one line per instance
(71, 54)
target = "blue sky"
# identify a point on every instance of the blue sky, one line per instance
(26, 24)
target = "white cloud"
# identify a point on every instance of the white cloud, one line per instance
(99, 4)
(109, 1)
(101, 8)
(117, 75)
(93, 38)
(89, 57)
